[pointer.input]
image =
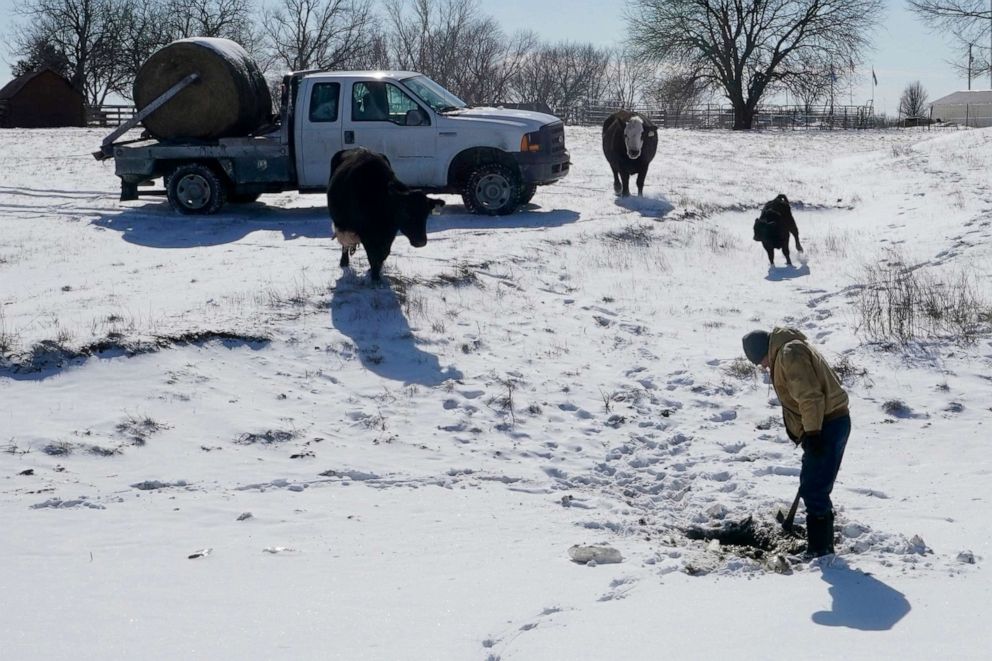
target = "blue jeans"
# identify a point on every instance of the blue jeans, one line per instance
(819, 471)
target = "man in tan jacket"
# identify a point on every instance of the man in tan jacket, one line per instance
(814, 406)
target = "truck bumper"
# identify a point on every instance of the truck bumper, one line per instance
(540, 169)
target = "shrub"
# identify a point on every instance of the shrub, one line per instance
(899, 304)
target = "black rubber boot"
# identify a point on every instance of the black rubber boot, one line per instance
(820, 535)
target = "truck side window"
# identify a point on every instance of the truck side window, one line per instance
(324, 102)
(375, 101)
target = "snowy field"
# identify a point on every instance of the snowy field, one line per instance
(399, 472)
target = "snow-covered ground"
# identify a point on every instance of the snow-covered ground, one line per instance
(399, 472)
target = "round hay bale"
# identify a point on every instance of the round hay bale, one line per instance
(230, 98)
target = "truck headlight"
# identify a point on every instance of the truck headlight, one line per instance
(531, 142)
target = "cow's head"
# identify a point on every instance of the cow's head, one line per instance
(633, 137)
(412, 208)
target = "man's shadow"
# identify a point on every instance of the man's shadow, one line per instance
(861, 601)
(371, 315)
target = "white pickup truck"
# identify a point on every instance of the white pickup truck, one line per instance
(495, 158)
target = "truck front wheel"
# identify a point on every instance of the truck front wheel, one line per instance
(492, 189)
(527, 193)
(195, 190)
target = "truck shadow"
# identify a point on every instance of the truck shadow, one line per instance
(456, 217)
(157, 226)
(372, 317)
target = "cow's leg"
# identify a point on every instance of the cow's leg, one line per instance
(625, 189)
(344, 256)
(785, 251)
(377, 256)
(795, 234)
(771, 254)
(640, 182)
(616, 181)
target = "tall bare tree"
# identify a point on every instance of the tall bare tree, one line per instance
(626, 79)
(913, 102)
(812, 85)
(748, 47)
(563, 75)
(966, 22)
(40, 53)
(236, 20)
(88, 33)
(457, 45)
(325, 34)
(676, 92)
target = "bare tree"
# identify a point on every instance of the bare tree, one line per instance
(88, 33)
(40, 53)
(812, 84)
(231, 19)
(913, 102)
(454, 43)
(748, 47)
(968, 23)
(626, 79)
(563, 76)
(677, 92)
(325, 34)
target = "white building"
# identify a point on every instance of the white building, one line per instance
(972, 108)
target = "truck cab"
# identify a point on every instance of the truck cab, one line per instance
(495, 158)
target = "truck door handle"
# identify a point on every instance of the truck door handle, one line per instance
(349, 137)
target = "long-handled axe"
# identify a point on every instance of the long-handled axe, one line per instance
(788, 519)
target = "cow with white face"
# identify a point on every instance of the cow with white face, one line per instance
(630, 142)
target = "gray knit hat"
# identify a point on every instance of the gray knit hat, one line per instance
(756, 346)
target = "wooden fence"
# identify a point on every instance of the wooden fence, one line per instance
(108, 115)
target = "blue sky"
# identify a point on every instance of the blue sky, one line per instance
(904, 50)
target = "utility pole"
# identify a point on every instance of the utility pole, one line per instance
(969, 66)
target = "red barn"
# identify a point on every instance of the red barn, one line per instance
(41, 99)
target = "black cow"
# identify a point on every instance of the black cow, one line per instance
(774, 226)
(630, 142)
(368, 204)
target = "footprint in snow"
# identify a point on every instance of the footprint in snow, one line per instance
(724, 416)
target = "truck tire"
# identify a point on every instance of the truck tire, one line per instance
(526, 194)
(195, 189)
(492, 189)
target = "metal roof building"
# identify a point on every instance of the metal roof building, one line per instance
(972, 108)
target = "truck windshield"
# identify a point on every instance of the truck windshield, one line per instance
(438, 98)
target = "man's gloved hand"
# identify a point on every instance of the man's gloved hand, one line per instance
(813, 443)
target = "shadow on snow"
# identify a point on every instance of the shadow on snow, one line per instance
(860, 601)
(648, 206)
(157, 226)
(371, 316)
(780, 273)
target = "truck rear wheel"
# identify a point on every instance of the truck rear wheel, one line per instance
(492, 189)
(195, 189)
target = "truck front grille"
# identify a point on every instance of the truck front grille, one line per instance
(555, 137)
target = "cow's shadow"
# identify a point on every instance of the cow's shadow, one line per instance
(780, 273)
(860, 601)
(158, 226)
(457, 217)
(371, 316)
(649, 206)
